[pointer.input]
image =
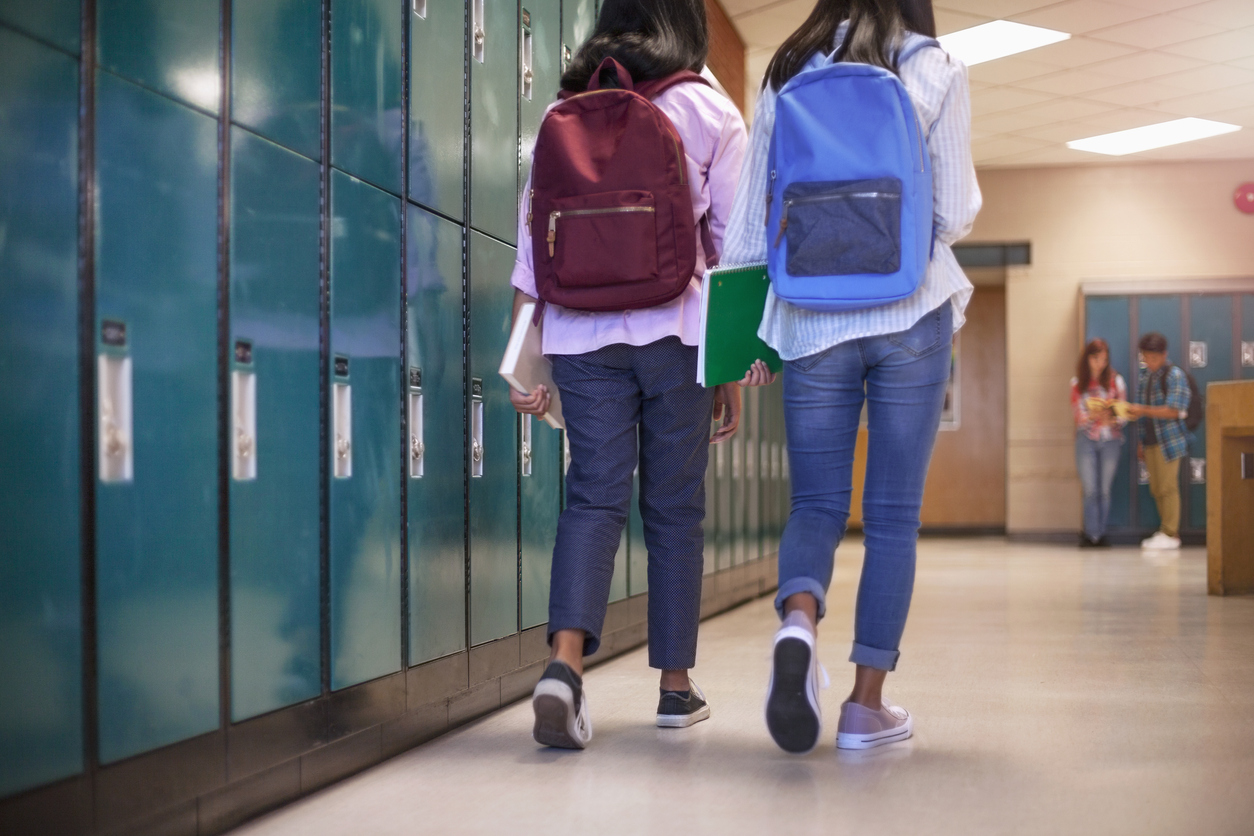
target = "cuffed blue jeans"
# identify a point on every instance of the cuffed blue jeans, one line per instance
(902, 379)
(1096, 462)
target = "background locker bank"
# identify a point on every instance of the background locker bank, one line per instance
(278, 520)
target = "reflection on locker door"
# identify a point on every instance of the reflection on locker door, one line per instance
(157, 498)
(540, 68)
(274, 430)
(170, 46)
(579, 17)
(436, 413)
(1208, 356)
(364, 432)
(437, 104)
(494, 43)
(366, 90)
(493, 449)
(540, 462)
(41, 738)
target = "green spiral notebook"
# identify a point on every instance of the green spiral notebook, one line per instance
(732, 300)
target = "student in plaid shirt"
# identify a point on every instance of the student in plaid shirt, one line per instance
(1163, 392)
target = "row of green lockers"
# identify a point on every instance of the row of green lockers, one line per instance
(1209, 334)
(367, 298)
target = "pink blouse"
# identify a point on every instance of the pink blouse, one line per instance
(1088, 424)
(714, 137)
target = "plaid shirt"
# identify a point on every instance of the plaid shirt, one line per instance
(1173, 438)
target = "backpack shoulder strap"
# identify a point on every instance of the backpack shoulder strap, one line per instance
(653, 89)
(915, 45)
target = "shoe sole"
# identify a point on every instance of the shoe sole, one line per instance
(870, 741)
(554, 706)
(792, 720)
(683, 721)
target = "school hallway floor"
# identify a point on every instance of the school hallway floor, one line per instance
(1054, 692)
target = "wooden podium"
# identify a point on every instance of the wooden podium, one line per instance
(1230, 487)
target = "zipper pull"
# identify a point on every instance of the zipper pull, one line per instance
(553, 216)
(770, 193)
(783, 225)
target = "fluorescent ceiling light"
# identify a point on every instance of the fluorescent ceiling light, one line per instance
(997, 39)
(1153, 136)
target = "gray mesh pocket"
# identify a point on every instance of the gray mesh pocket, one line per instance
(843, 227)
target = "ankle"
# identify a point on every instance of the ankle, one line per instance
(675, 681)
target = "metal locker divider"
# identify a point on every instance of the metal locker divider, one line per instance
(157, 495)
(275, 504)
(41, 689)
(170, 46)
(276, 71)
(365, 455)
(437, 105)
(494, 82)
(726, 506)
(493, 453)
(1109, 317)
(1162, 314)
(366, 73)
(740, 492)
(1208, 356)
(436, 465)
(55, 21)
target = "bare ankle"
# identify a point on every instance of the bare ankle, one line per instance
(675, 681)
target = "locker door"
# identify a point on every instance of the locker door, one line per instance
(157, 491)
(436, 413)
(366, 90)
(753, 471)
(579, 17)
(709, 525)
(541, 474)
(365, 432)
(170, 46)
(726, 507)
(40, 608)
(1208, 357)
(437, 105)
(276, 75)
(1161, 314)
(1247, 336)
(540, 56)
(55, 21)
(494, 118)
(1109, 317)
(493, 453)
(637, 549)
(274, 429)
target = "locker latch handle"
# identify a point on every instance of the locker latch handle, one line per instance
(477, 451)
(478, 26)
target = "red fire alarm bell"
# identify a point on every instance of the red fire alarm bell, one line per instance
(1244, 198)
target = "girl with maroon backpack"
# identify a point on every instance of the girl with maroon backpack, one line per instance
(632, 181)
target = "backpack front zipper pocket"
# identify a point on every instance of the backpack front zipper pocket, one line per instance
(842, 227)
(603, 239)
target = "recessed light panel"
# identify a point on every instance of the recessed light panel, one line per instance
(1153, 136)
(997, 39)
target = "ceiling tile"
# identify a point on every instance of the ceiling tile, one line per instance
(1143, 65)
(1079, 16)
(1225, 14)
(1071, 82)
(1244, 63)
(996, 99)
(1077, 52)
(1158, 6)
(1002, 144)
(1057, 155)
(1064, 110)
(1057, 132)
(993, 8)
(1226, 46)
(1243, 116)
(1157, 31)
(1121, 120)
(1208, 102)
(1137, 93)
(1210, 77)
(947, 21)
(1009, 70)
(771, 25)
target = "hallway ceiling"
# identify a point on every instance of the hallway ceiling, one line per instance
(1128, 63)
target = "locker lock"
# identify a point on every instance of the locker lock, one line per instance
(416, 449)
(416, 444)
(113, 379)
(477, 451)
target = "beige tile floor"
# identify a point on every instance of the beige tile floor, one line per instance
(1055, 692)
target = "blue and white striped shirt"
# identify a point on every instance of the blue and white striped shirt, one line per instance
(937, 85)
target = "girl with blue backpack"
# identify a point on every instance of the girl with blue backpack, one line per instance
(859, 158)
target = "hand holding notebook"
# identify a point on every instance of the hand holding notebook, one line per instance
(525, 367)
(732, 300)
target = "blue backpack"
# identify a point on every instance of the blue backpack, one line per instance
(850, 202)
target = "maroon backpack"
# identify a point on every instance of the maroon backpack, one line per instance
(609, 207)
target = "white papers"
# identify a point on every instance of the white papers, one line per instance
(525, 367)
(705, 312)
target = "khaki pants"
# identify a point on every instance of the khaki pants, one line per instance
(1164, 483)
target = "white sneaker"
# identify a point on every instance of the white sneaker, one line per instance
(1161, 541)
(793, 716)
(862, 728)
(561, 709)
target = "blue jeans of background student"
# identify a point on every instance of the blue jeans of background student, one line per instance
(902, 378)
(1096, 462)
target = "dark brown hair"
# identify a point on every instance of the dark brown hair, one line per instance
(1082, 374)
(1153, 342)
(650, 38)
(877, 29)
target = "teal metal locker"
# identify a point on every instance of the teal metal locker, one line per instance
(1109, 317)
(541, 64)
(170, 46)
(637, 548)
(54, 21)
(493, 453)
(364, 432)
(753, 473)
(366, 90)
(276, 71)
(726, 504)
(579, 17)
(1247, 336)
(41, 697)
(709, 526)
(157, 491)
(740, 515)
(1208, 356)
(540, 502)
(622, 560)
(1161, 314)
(274, 426)
(494, 43)
(435, 411)
(437, 105)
